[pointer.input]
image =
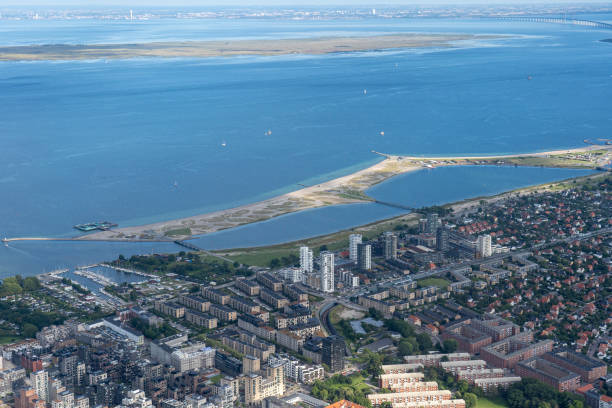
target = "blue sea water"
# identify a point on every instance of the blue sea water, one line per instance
(141, 140)
(417, 189)
(111, 274)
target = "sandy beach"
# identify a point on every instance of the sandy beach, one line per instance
(343, 190)
(203, 49)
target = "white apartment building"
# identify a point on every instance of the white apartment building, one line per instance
(483, 246)
(40, 382)
(224, 396)
(196, 401)
(293, 275)
(306, 259)
(326, 271)
(354, 240)
(390, 245)
(297, 371)
(193, 358)
(136, 399)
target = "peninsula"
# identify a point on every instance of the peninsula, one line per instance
(344, 190)
(203, 49)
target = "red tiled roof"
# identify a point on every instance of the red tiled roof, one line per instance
(344, 404)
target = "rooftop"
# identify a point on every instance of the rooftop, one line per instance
(548, 369)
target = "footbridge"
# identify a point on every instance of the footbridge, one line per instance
(395, 205)
(196, 248)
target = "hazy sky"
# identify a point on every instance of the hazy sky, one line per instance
(206, 3)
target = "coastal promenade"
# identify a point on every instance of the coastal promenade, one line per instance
(343, 190)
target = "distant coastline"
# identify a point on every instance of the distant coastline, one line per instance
(205, 49)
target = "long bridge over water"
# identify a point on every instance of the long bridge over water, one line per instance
(559, 20)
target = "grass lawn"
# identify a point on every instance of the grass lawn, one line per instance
(9, 339)
(357, 384)
(261, 256)
(439, 282)
(334, 314)
(178, 232)
(315, 299)
(491, 402)
(549, 162)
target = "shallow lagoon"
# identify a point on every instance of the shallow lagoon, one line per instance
(418, 189)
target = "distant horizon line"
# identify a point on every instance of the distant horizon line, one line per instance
(322, 5)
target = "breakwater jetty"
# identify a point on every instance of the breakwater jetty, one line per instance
(135, 272)
(79, 239)
(96, 277)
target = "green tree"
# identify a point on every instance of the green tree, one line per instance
(424, 341)
(373, 364)
(324, 395)
(375, 314)
(463, 386)
(449, 345)
(10, 286)
(533, 393)
(405, 348)
(31, 284)
(470, 400)
(400, 326)
(29, 330)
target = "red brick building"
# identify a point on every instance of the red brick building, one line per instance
(508, 352)
(588, 368)
(549, 373)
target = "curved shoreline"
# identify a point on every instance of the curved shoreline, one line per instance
(457, 206)
(347, 189)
